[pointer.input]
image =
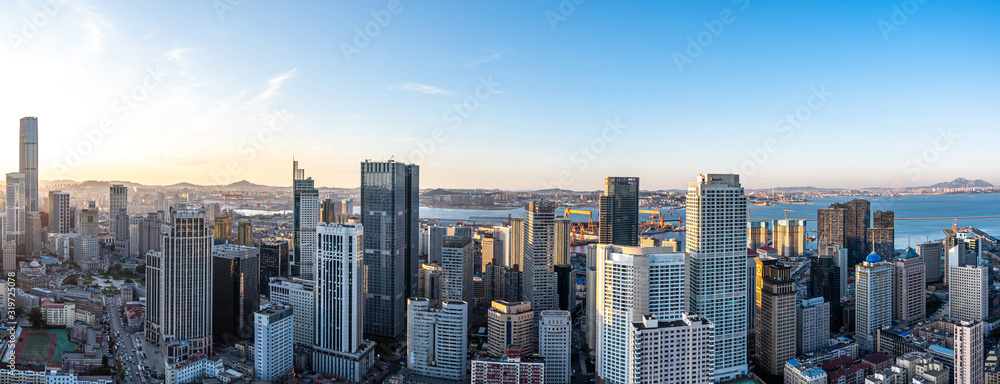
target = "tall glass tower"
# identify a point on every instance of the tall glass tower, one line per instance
(29, 161)
(304, 221)
(620, 211)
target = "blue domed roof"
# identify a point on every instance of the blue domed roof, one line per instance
(909, 254)
(873, 258)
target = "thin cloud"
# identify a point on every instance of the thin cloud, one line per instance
(274, 84)
(494, 55)
(420, 88)
(179, 56)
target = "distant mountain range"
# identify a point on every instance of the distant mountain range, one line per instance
(962, 183)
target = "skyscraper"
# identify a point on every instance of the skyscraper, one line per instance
(882, 234)
(510, 324)
(492, 250)
(28, 160)
(562, 240)
(389, 212)
(538, 284)
(429, 281)
(673, 351)
(180, 281)
(339, 348)
(16, 218)
(619, 216)
(501, 235)
(223, 229)
(305, 217)
(516, 260)
(272, 352)
(118, 215)
(235, 295)
(456, 269)
(790, 239)
(969, 364)
(813, 325)
(825, 282)
(437, 337)
(969, 291)
(555, 337)
(244, 233)
(717, 271)
(908, 284)
(273, 262)
(300, 294)
(874, 299)
(776, 313)
(757, 232)
(846, 224)
(89, 221)
(435, 242)
(931, 252)
(60, 217)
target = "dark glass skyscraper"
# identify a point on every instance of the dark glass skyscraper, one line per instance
(235, 295)
(273, 263)
(882, 234)
(390, 203)
(825, 282)
(846, 224)
(619, 217)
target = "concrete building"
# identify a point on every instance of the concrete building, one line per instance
(776, 314)
(874, 299)
(672, 351)
(921, 366)
(429, 281)
(846, 224)
(16, 214)
(502, 236)
(716, 243)
(436, 235)
(60, 215)
(436, 338)
(510, 370)
(932, 253)
(510, 324)
(812, 325)
(538, 283)
(803, 373)
(235, 294)
(825, 282)
(790, 238)
(273, 342)
(305, 217)
(457, 268)
(28, 162)
(757, 234)
(339, 348)
(555, 340)
(492, 252)
(89, 220)
(390, 207)
(619, 212)
(969, 292)
(908, 285)
(244, 233)
(118, 215)
(300, 295)
(969, 361)
(563, 238)
(517, 241)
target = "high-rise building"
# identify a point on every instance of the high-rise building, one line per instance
(118, 215)
(493, 277)
(830, 226)
(516, 260)
(931, 252)
(873, 299)
(436, 235)
(841, 260)
(960, 253)
(882, 234)
(969, 362)
(539, 280)
(510, 324)
(492, 251)
(619, 211)
(144, 234)
(512, 285)
(28, 162)
(590, 303)
(563, 238)
(457, 269)
(33, 233)
(179, 309)
(672, 351)
(790, 239)
(555, 338)
(632, 283)
(908, 284)
(846, 224)
(223, 229)
(825, 282)
(969, 292)
(273, 262)
(272, 351)
(332, 211)
(60, 215)
(339, 311)
(389, 212)
(305, 217)
(300, 294)
(776, 314)
(566, 287)
(437, 337)
(89, 221)
(235, 295)
(16, 217)
(501, 236)
(244, 233)
(757, 234)
(813, 326)
(429, 281)
(716, 243)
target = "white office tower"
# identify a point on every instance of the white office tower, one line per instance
(435, 237)
(591, 306)
(501, 235)
(716, 244)
(60, 216)
(969, 363)
(510, 324)
(437, 337)
(874, 299)
(340, 349)
(813, 325)
(300, 294)
(803, 373)
(28, 161)
(118, 215)
(969, 292)
(633, 282)
(180, 303)
(539, 280)
(555, 337)
(457, 268)
(272, 351)
(673, 351)
(15, 208)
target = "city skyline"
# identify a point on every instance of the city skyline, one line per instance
(224, 87)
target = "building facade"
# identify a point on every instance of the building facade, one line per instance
(908, 285)
(619, 211)
(436, 338)
(555, 340)
(273, 342)
(874, 299)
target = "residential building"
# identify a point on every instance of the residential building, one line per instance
(969, 292)
(273, 342)
(555, 339)
(538, 284)
(510, 323)
(436, 338)
(790, 239)
(300, 295)
(874, 299)
(457, 269)
(812, 325)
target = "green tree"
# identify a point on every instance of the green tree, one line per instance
(36, 318)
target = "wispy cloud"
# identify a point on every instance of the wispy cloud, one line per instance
(274, 84)
(493, 55)
(179, 56)
(420, 88)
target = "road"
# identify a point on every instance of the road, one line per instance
(126, 350)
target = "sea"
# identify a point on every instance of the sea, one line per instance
(908, 232)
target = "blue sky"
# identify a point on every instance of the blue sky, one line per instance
(516, 94)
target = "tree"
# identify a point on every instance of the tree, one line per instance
(36, 318)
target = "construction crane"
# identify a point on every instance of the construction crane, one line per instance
(578, 230)
(786, 212)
